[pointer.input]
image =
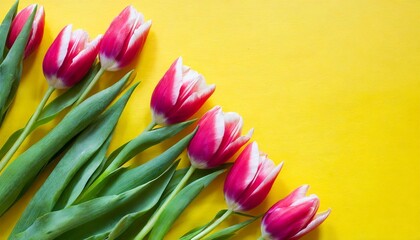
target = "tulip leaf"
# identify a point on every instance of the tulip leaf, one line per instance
(79, 181)
(145, 140)
(189, 235)
(58, 105)
(84, 147)
(9, 68)
(125, 179)
(22, 171)
(5, 28)
(177, 205)
(229, 232)
(95, 216)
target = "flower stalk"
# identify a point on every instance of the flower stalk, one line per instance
(213, 225)
(148, 227)
(27, 129)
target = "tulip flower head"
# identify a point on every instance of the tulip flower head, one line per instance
(217, 139)
(179, 94)
(293, 216)
(37, 31)
(69, 57)
(250, 179)
(124, 39)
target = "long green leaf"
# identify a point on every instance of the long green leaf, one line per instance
(21, 172)
(178, 204)
(58, 105)
(83, 148)
(125, 179)
(189, 235)
(148, 170)
(9, 68)
(229, 232)
(145, 140)
(5, 27)
(55, 224)
(79, 181)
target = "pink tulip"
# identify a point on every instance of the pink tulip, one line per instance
(69, 57)
(220, 133)
(179, 94)
(124, 38)
(37, 31)
(250, 179)
(293, 216)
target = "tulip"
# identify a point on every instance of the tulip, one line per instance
(124, 38)
(250, 179)
(69, 57)
(37, 31)
(179, 94)
(293, 216)
(220, 133)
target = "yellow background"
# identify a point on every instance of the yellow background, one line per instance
(331, 87)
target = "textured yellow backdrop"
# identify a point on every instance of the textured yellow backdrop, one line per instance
(331, 87)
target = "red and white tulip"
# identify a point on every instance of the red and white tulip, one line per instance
(293, 216)
(124, 39)
(69, 57)
(250, 179)
(217, 139)
(37, 31)
(179, 94)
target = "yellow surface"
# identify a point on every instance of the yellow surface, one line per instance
(331, 87)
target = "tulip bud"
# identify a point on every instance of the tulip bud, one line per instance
(293, 216)
(250, 179)
(179, 94)
(124, 38)
(37, 31)
(220, 133)
(69, 57)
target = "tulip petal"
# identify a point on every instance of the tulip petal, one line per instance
(81, 63)
(316, 221)
(134, 46)
(233, 147)
(118, 33)
(292, 197)
(242, 173)
(37, 31)
(166, 93)
(283, 223)
(210, 134)
(191, 105)
(18, 23)
(57, 52)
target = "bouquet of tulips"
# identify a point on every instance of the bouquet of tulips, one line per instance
(91, 194)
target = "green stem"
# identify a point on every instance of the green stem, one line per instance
(90, 86)
(27, 129)
(261, 238)
(213, 225)
(116, 163)
(162, 207)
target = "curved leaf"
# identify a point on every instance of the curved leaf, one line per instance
(21, 172)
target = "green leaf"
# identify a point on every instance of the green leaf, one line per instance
(83, 220)
(83, 148)
(79, 181)
(197, 230)
(230, 231)
(124, 179)
(9, 68)
(145, 140)
(58, 105)
(5, 28)
(198, 173)
(22, 171)
(178, 204)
